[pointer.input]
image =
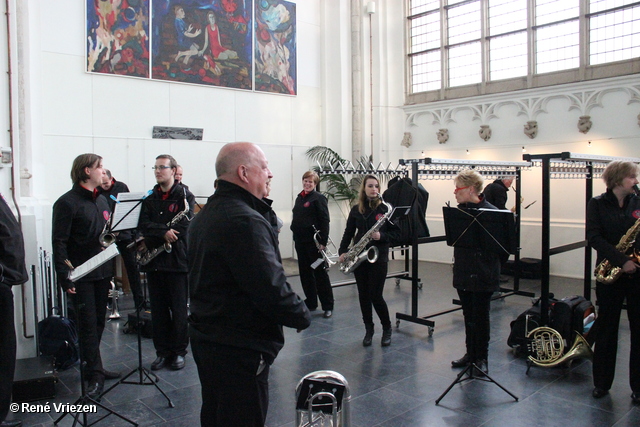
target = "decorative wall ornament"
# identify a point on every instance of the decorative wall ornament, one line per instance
(443, 135)
(407, 140)
(167, 132)
(531, 129)
(584, 124)
(487, 107)
(485, 132)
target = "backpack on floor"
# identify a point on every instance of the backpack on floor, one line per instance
(58, 337)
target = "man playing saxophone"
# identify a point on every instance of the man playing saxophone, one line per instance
(370, 277)
(609, 218)
(167, 272)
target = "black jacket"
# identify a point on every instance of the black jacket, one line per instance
(476, 270)
(363, 223)
(12, 268)
(155, 216)
(78, 220)
(117, 187)
(309, 211)
(607, 222)
(239, 293)
(496, 194)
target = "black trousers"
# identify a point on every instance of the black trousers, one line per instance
(475, 309)
(133, 274)
(7, 349)
(168, 294)
(90, 308)
(610, 300)
(370, 279)
(234, 392)
(315, 282)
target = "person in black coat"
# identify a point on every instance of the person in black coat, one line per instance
(79, 218)
(124, 239)
(240, 298)
(311, 214)
(496, 192)
(167, 272)
(476, 275)
(370, 277)
(12, 273)
(609, 217)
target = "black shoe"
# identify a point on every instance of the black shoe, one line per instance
(95, 387)
(599, 392)
(11, 423)
(177, 363)
(159, 363)
(327, 314)
(368, 336)
(462, 362)
(635, 397)
(482, 366)
(110, 375)
(386, 337)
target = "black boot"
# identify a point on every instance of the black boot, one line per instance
(462, 362)
(386, 337)
(368, 336)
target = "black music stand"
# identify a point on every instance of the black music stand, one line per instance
(488, 229)
(145, 377)
(84, 399)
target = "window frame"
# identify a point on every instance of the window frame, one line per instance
(584, 72)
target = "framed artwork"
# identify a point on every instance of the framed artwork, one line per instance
(202, 41)
(275, 46)
(118, 37)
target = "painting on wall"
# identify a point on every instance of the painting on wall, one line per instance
(203, 42)
(118, 37)
(275, 46)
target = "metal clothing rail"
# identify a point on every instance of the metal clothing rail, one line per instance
(441, 169)
(566, 165)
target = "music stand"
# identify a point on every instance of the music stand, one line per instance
(487, 229)
(145, 376)
(84, 399)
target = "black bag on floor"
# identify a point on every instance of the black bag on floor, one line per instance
(526, 322)
(58, 337)
(562, 317)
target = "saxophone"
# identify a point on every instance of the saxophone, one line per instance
(605, 272)
(145, 255)
(357, 254)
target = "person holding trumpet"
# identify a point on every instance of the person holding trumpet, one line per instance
(311, 214)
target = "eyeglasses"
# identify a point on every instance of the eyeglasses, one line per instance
(161, 167)
(459, 189)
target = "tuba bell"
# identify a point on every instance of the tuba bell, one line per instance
(546, 348)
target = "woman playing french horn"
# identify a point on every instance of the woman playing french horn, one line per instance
(609, 217)
(370, 277)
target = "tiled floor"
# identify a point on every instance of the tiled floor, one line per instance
(392, 386)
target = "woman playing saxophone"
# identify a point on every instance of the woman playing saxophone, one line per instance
(609, 217)
(370, 277)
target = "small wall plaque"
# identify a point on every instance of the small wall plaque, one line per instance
(166, 132)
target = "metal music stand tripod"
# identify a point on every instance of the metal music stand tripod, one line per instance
(84, 399)
(489, 230)
(145, 377)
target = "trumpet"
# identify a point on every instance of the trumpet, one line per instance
(326, 253)
(107, 237)
(114, 294)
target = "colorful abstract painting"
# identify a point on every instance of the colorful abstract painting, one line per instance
(118, 37)
(275, 46)
(202, 41)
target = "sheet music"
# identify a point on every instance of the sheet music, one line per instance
(127, 211)
(94, 262)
